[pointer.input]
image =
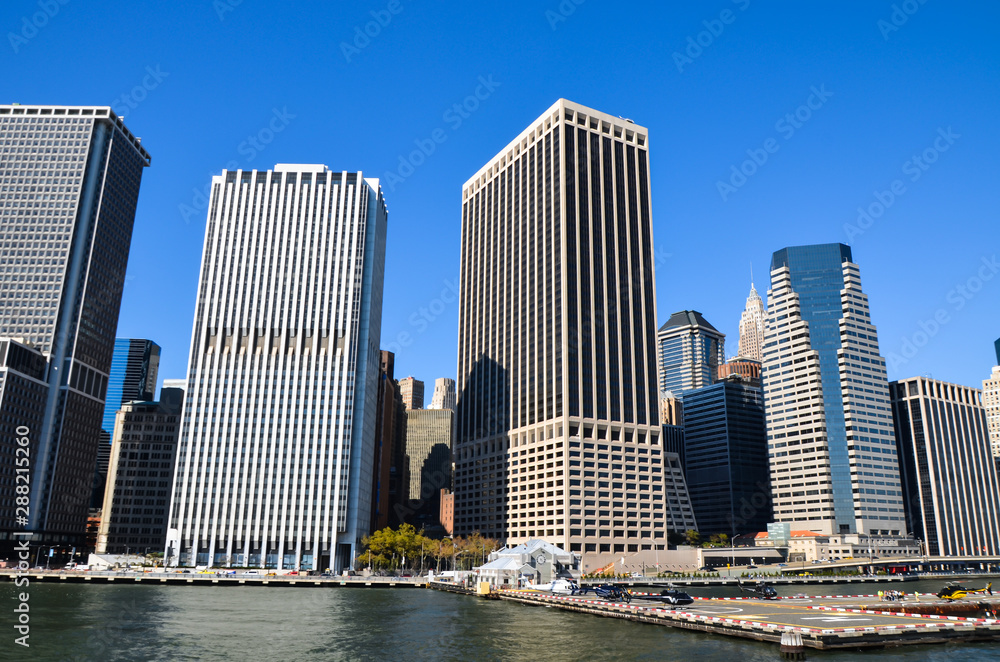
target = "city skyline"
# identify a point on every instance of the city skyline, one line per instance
(727, 101)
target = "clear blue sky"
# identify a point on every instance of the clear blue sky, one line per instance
(203, 81)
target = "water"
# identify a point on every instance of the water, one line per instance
(117, 623)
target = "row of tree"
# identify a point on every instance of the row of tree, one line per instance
(406, 548)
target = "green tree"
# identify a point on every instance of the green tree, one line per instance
(692, 537)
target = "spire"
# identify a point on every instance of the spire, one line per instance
(751, 275)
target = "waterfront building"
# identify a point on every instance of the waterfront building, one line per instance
(141, 472)
(747, 369)
(725, 457)
(991, 403)
(690, 351)
(386, 440)
(949, 476)
(444, 394)
(134, 365)
(447, 512)
(412, 392)
(752, 323)
(277, 442)
(428, 453)
(832, 448)
(69, 185)
(558, 434)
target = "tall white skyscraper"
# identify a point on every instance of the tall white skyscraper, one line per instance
(558, 433)
(274, 467)
(444, 394)
(991, 403)
(69, 187)
(752, 323)
(830, 435)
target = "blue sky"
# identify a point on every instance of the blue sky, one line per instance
(887, 107)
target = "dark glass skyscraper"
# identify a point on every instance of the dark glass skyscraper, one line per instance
(830, 435)
(725, 457)
(690, 351)
(134, 366)
(69, 185)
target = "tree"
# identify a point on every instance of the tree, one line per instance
(692, 537)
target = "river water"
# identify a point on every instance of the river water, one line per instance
(239, 623)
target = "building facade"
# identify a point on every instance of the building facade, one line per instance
(725, 458)
(953, 499)
(991, 403)
(558, 434)
(69, 186)
(747, 369)
(276, 456)
(690, 351)
(444, 394)
(428, 452)
(412, 392)
(141, 471)
(834, 468)
(752, 323)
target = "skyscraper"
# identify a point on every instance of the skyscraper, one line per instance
(831, 442)
(428, 451)
(444, 394)
(69, 185)
(134, 366)
(412, 392)
(690, 353)
(996, 347)
(752, 327)
(275, 461)
(725, 457)
(991, 405)
(558, 433)
(953, 499)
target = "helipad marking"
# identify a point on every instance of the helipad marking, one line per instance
(834, 619)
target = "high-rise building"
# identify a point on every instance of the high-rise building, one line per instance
(558, 433)
(69, 185)
(134, 365)
(747, 369)
(829, 427)
(444, 394)
(277, 443)
(725, 457)
(136, 502)
(412, 392)
(386, 439)
(953, 499)
(752, 327)
(690, 351)
(428, 451)
(991, 404)
(996, 347)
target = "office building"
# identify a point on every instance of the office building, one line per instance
(428, 452)
(412, 392)
(752, 323)
(832, 447)
(558, 433)
(996, 347)
(950, 479)
(991, 404)
(444, 394)
(277, 442)
(387, 424)
(690, 351)
(134, 365)
(747, 369)
(136, 502)
(725, 457)
(69, 185)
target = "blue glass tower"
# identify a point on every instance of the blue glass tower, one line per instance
(134, 365)
(833, 460)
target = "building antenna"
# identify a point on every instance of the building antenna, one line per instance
(751, 274)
